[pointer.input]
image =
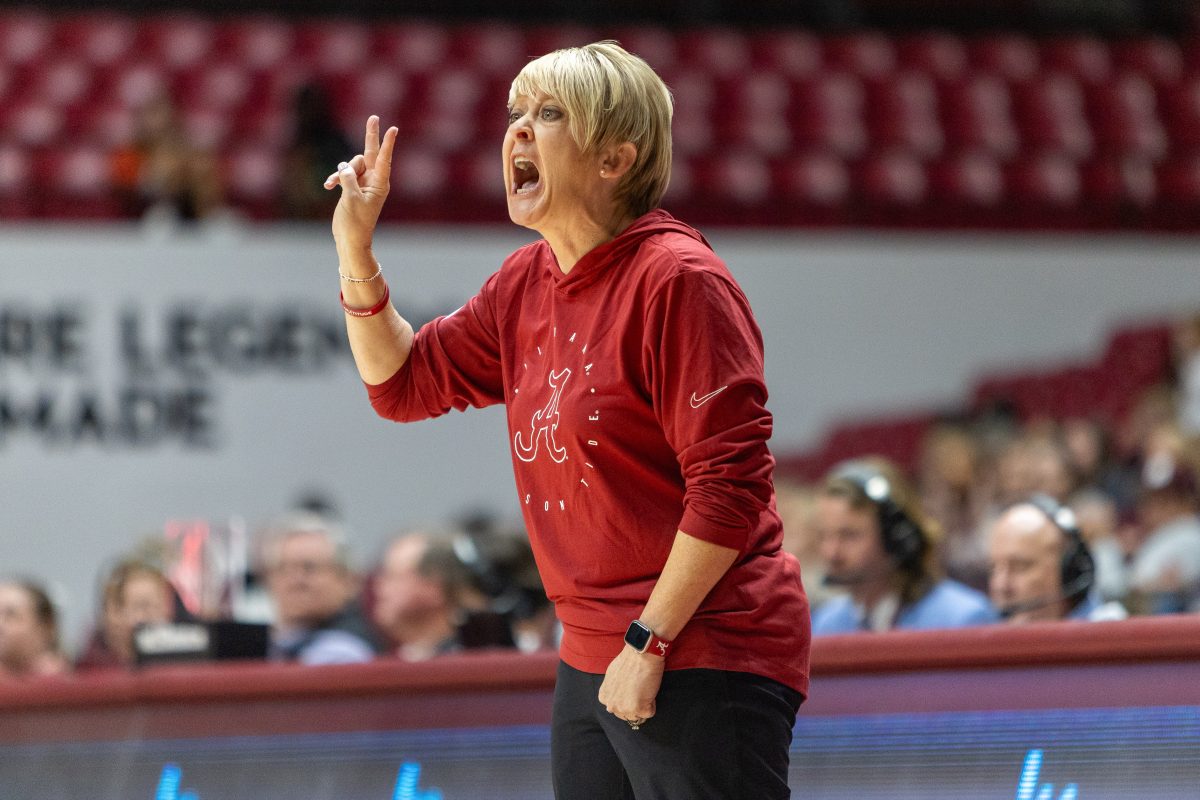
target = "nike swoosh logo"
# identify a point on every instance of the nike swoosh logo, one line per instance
(699, 401)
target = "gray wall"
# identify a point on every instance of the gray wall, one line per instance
(855, 324)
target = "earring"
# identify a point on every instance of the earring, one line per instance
(603, 173)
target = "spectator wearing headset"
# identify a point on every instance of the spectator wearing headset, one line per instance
(878, 546)
(428, 602)
(1040, 567)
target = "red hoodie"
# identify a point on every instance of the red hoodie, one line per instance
(636, 408)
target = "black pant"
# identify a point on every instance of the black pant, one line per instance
(716, 736)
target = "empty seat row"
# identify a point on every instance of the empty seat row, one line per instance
(762, 118)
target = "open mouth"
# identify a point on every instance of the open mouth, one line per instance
(525, 176)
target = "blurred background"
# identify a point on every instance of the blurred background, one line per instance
(967, 228)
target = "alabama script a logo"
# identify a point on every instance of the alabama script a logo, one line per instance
(544, 425)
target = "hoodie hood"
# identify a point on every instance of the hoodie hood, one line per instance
(600, 259)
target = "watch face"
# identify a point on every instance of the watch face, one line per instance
(638, 636)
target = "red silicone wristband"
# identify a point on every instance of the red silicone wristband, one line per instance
(657, 646)
(367, 312)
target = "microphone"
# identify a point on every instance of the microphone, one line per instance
(855, 577)
(1072, 589)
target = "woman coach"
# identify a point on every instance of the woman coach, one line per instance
(632, 372)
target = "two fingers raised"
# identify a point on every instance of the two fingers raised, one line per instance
(374, 163)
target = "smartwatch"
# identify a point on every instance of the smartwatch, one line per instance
(642, 639)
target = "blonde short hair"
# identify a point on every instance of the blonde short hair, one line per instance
(611, 96)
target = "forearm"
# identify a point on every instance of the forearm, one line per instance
(693, 568)
(380, 343)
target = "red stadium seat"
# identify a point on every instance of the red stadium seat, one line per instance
(1125, 118)
(139, 83)
(449, 104)
(254, 176)
(544, 39)
(977, 115)
(419, 174)
(973, 179)
(16, 171)
(444, 130)
(1159, 60)
(1051, 116)
(1109, 131)
(480, 174)
(109, 124)
(759, 93)
(894, 178)
(378, 89)
(814, 178)
(328, 47)
(941, 56)
(682, 181)
(81, 178)
(1085, 59)
(207, 128)
(413, 46)
(691, 132)
(25, 37)
(740, 177)
(790, 54)
(692, 91)
(267, 125)
(657, 46)
(1141, 355)
(1123, 182)
(99, 39)
(224, 87)
(1181, 112)
(1014, 58)
(1179, 181)
(903, 113)
(257, 43)
(64, 82)
(488, 50)
(695, 97)
(828, 113)
(458, 89)
(753, 114)
(719, 52)
(83, 172)
(177, 41)
(491, 115)
(765, 134)
(867, 55)
(1049, 180)
(33, 124)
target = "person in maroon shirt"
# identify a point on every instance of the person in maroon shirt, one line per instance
(631, 369)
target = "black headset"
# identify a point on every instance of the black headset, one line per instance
(903, 539)
(1078, 566)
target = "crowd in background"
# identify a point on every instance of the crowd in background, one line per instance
(974, 536)
(1131, 485)
(161, 173)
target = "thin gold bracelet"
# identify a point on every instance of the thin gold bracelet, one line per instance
(348, 279)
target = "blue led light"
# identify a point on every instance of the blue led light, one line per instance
(1029, 775)
(168, 783)
(1028, 784)
(407, 782)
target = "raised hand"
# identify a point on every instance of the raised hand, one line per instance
(365, 181)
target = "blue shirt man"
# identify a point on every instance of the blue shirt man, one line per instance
(877, 545)
(947, 604)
